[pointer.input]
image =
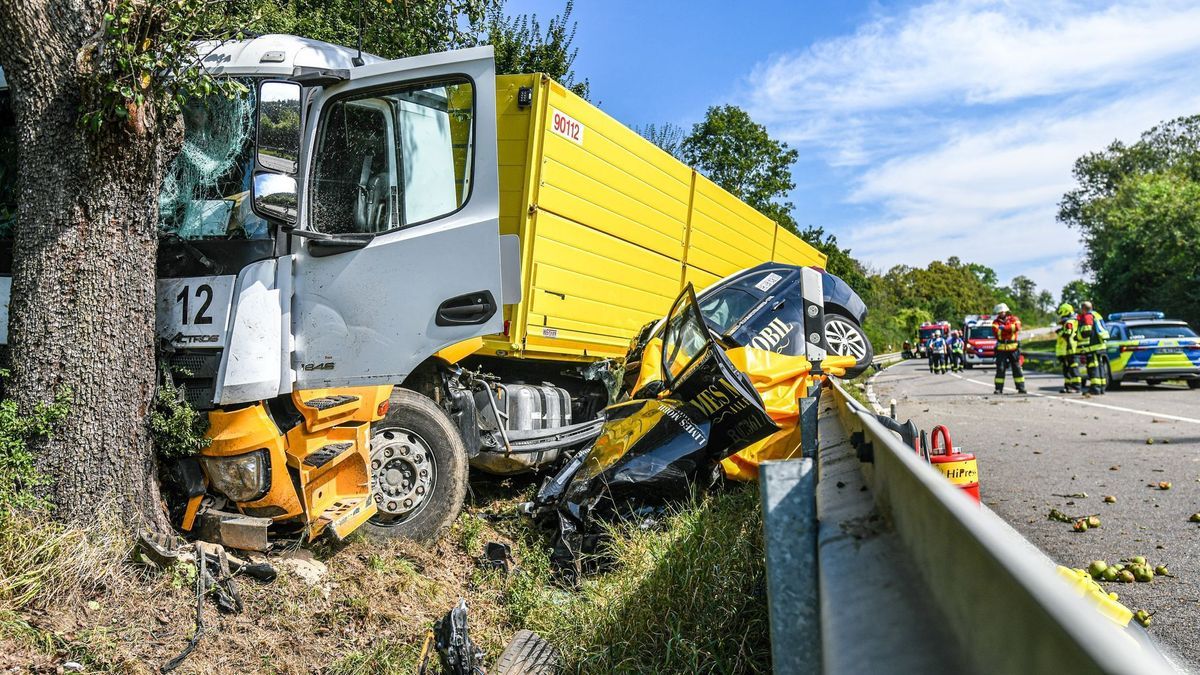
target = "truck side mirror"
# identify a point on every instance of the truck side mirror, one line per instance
(275, 196)
(278, 126)
(277, 150)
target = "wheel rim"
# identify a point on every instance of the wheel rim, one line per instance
(403, 470)
(845, 340)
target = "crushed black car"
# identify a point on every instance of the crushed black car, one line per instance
(687, 408)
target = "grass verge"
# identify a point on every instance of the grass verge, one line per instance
(685, 595)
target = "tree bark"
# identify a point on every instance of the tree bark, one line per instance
(83, 293)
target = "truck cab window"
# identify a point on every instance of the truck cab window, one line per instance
(206, 193)
(387, 160)
(8, 166)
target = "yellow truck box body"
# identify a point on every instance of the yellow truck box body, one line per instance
(611, 226)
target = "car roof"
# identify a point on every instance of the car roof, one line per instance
(1152, 322)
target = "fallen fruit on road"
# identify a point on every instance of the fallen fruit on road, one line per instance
(1061, 517)
(1097, 568)
(1093, 521)
(1081, 525)
(1109, 499)
(1143, 573)
(1125, 577)
(1195, 518)
(1142, 617)
(1162, 571)
(1138, 560)
(1164, 485)
(1110, 574)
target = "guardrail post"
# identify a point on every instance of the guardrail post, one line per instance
(809, 407)
(789, 501)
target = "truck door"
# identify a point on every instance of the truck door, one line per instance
(400, 253)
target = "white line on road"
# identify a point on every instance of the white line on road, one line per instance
(1092, 403)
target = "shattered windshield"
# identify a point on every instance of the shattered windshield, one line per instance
(206, 193)
(8, 166)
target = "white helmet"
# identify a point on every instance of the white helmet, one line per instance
(1000, 308)
(937, 333)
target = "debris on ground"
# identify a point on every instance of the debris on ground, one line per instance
(496, 556)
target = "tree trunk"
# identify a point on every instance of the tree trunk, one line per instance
(82, 307)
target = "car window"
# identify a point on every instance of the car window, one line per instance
(1160, 331)
(723, 308)
(390, 159)
(685, 336)
(1116, 332)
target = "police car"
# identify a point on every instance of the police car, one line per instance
(1147, 347)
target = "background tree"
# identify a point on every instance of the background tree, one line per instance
(667, 136)
(95, 91)
(522, 47)
(839, 261)
(1075, 292)
(391, 29)
(738, 154)
(1135, 206)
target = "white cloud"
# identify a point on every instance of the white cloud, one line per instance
(961, 121)
(977, 52)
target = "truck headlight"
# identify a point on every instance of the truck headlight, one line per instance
(242, 478)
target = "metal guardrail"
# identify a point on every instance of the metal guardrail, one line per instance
(957, 579)
(881, 359)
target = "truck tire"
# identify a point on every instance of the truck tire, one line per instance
(528, 654)
(418, 470)
(1193, 384)
(846, 338)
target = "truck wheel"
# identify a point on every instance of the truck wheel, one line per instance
(528, 654)
(1193, 384)
(418, 470)
(846, 338)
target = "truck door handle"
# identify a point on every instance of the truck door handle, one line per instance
(466, 310)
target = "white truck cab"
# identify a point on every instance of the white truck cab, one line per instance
(322, 234)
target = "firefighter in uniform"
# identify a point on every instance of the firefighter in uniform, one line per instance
(937, 353)
(1066, 348)
(1092, 338)
(1007, 329)
(958, 359)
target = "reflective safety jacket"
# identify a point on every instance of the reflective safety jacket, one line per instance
(1007, 332)
(937, 346)
(1067, 343)
(956, 345)
(1092, 333)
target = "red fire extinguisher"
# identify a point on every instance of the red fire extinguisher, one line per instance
(958, 467)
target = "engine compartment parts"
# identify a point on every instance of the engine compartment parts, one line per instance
(669, 436)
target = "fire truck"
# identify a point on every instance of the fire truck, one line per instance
(981, 342)
(926, 331)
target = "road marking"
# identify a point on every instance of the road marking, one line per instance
(1093, 404)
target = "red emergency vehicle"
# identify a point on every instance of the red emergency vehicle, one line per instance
(981, 341)
(925, 332)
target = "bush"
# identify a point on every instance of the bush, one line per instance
(19, 478)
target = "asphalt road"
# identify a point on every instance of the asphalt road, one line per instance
(1033, 449)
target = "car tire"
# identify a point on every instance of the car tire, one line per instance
(1110, 383)
(846, 338)
(1193, 384)
(528, 654)
(418, 434)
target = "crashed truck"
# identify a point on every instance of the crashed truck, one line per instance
(374, 273)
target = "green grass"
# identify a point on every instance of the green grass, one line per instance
(686, 597)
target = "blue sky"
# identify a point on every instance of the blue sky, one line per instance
(925, 129)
